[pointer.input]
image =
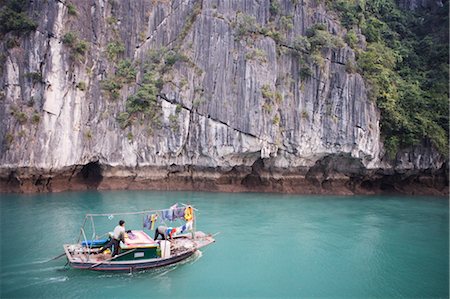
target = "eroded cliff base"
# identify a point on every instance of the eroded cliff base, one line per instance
(336, 175)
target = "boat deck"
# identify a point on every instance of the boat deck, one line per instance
(182, 245)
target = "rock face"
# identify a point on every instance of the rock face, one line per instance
(235, 113)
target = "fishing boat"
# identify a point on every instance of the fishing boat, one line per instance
(138, 250)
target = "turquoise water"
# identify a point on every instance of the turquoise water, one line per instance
(269, 245)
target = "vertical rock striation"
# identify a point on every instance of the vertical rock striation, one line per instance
(228, 102)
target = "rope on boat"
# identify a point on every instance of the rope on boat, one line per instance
(117, 214)
(56, 257)
(133, 213)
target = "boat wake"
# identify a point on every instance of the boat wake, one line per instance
(28, 271)
(30, 282)
(160, 272)
(25, 264)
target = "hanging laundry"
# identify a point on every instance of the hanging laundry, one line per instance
(189, 213)
(185, 227)
(153, 221)
(147, 221)
(167, 214)
(179, 212)
(173, 213)
(189, 225)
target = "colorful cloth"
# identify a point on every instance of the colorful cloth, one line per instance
(173, 213)
(150, 220)
(147, 221)
(153, 220)
(185, 227)
(179, 212)
(167, 214)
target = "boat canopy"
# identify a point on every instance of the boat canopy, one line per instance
(179, 219)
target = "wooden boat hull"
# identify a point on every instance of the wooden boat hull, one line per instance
(131, 265)
(81, 257)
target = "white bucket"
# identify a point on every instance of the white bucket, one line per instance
(165, 248)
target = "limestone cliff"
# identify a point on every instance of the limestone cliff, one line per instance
(238, 102)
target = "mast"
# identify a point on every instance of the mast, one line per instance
(193, 223)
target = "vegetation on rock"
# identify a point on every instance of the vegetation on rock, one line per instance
(78, 47)
(114, 49)
(405, 62)
(406, 65)
(143, 104)
(14, 18)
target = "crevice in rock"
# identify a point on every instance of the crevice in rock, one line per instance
(163, 97)
(48, 185)
(74, 170)
(336, 165)
(13, 180)
(133, 179)
(161, 24)
(91, 175)
(367, 184)
(40, 183)
(253, 180)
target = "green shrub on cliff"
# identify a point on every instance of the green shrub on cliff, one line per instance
(274, 8)
(125, 73)
(257, 55)
(124, 120)
(319, 38)
(351, 38)
(35, 77)
(9, 139)
(245, 25)
(13, 17)
(112, 86)
(126, 70)
(143, 105)
(78, 47)
(171, 57)
(71, 9)
(406, 67)
(35, 118)
(145, 99)
(114, 49)
(69, 38)
(267, 92)
(287, 23)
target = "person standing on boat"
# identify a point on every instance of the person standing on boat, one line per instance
(161, 230)
(118, 235)
(165, 232)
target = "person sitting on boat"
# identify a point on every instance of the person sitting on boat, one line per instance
(118, 235)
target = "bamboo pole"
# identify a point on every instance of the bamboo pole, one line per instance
(113, 258)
